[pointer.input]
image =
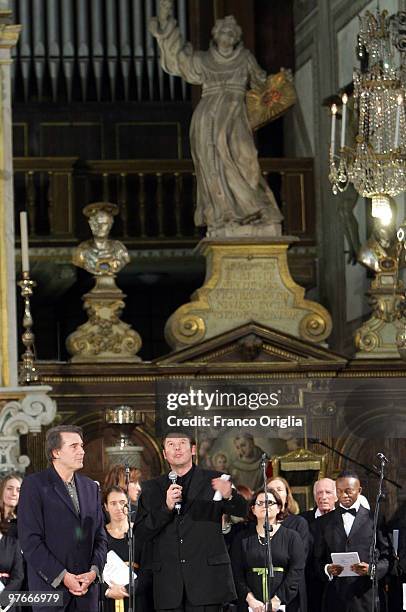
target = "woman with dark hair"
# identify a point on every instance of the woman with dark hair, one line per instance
(9, 495)
(249, 561)
(115, 505)
(116, 477)
(117, 529)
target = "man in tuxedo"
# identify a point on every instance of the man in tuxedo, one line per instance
(324, 493)
(182, 521)
(60, 525)
(348, 528)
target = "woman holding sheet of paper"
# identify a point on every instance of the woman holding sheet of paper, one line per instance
(117, 528)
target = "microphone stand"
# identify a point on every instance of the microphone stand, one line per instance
(373, 551)
(130, 540)
(367, 469)
(267, 529)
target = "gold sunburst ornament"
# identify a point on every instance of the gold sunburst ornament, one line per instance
(273, 100)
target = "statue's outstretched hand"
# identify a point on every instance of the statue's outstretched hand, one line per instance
(165, 11)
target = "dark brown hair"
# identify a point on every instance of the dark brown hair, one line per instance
(113, 489)
(178, 434)
(115, 477)
(4, 520)
(282, 514)
(53, 440)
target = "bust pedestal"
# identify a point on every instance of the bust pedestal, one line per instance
(104, 338)
(378, 337)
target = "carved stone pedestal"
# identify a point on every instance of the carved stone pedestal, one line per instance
(379, 337)
(247, 280)
(104, 338)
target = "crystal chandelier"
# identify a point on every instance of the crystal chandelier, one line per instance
(375, 163)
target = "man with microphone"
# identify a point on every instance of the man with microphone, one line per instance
(181, 516)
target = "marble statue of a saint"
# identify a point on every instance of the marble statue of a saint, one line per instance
(233, 198)
(101, 256)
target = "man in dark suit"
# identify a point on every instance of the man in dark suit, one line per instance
(348, 528)
(190, 563)
(60, 525)
(324, 493)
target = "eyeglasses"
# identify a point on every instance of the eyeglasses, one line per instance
(260, 503)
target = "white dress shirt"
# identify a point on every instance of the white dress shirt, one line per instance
(348, 518)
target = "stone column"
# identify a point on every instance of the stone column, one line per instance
(8, 324)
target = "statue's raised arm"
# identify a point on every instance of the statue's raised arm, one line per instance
(177, 56)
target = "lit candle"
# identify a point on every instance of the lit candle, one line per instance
(333, 129)
(344, 117)
(24, 242)
(397, 126)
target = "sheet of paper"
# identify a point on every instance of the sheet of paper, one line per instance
(282, 608)
(116, 570)
(346, 559)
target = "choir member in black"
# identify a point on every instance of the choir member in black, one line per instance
(348, 528)
(249, 561)
(11, 564)
(293, 521)
(116, 529)
(325, 496)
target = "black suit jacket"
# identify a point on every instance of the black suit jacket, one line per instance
(352, 594)
(188, 550)
(309, 516)
(314, 584)
(53, 537)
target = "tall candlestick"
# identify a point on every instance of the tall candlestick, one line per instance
(24, 242)
(333, 129)
(343, 120)
(397, 125)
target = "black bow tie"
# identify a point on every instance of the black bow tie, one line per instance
(350, 510)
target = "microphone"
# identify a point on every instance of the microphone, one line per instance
(382, 457)
(314, 440)
(173, 477)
